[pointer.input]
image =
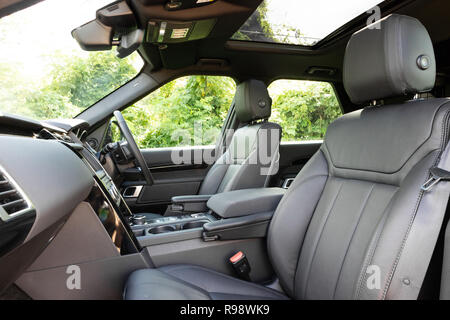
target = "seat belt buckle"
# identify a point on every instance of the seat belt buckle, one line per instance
(241, 265)
(437, 175)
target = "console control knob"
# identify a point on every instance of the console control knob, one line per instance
(138, 219)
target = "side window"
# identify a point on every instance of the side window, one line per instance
(186, 111)
(303, 109)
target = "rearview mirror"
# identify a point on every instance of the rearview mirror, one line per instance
(115, 25)
(94, 36)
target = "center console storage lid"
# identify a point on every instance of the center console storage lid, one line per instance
(191, 198)
(245, 202)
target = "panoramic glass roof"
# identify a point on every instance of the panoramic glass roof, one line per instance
(300, 22)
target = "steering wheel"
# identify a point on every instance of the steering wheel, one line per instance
(133, 146)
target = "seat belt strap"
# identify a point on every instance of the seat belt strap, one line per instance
(416, 255)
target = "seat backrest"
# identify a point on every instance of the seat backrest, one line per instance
(349, 211)
(252, 155)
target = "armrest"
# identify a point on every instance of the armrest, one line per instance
(245, 201)
(250, 226)
(190, 204)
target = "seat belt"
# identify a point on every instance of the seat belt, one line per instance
(416, 255)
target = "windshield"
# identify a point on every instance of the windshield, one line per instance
(44, 74)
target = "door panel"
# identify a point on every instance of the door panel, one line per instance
(170, 179)
(161, 157)
(166, 118)
(293, 156)
(163, 192)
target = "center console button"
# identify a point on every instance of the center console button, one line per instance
(138, 219)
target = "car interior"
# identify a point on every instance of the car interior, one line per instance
(358, 215)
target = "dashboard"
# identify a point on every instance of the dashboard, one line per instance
(46, 171)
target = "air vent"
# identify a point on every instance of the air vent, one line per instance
(47, 135)
(13, 202)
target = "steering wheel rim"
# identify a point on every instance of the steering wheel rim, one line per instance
(133, 146)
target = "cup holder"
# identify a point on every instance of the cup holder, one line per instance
(161, 229)
(194, 224)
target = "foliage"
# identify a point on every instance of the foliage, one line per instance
(85, 81)
(50, 104)
(305, 114)
(167, 117)
(257, 27)
(72, 84)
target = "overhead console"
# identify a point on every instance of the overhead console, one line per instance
(129, 24)
(173, 5)
(116, 25)
(174, 32)
(170, 21)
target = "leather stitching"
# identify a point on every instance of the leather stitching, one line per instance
(363, 207)
(296, 184)
(371, 251)
(320, 237)
(372, 247)
(446, 100)
(444, 137)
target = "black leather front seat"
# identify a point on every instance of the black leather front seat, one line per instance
(253, 150)
(357, 206)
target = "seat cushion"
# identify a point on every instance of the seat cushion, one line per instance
(189, 282)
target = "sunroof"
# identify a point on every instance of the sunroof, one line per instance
(300, 22)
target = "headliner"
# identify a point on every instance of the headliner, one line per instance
(245, 59)
(266, 61)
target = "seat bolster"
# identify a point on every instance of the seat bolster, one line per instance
(153, 284)
(389, 242)
(291, 219)
(180, 282)
(220, 285)
(210, 184)
(248, 162)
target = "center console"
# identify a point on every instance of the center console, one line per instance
(171, 229)
(201, 230)
(235, 215)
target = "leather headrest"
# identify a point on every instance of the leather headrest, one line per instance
(252, 101)
(390, 58)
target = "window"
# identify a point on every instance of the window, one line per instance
(300, 22)
(303, 109)
(188, 111)
(43, 71)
